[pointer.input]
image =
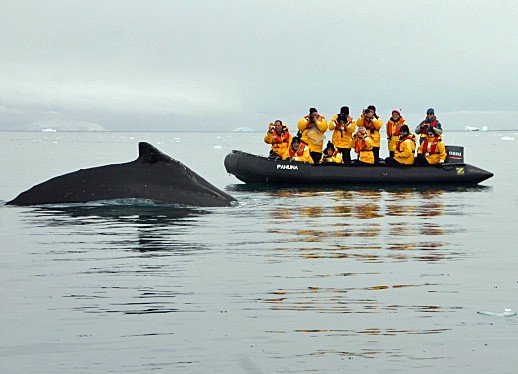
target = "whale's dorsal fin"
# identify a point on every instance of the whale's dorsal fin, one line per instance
(148, 154)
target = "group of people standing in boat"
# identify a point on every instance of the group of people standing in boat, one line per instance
(362, 135)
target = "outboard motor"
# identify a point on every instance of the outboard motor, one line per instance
(455, 154)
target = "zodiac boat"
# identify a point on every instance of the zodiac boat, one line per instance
(256, 169)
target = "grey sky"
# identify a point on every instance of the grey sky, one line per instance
(219, 65)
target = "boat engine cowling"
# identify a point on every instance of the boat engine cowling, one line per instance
(455, 154)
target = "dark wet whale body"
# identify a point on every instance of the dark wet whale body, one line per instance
(152, 176)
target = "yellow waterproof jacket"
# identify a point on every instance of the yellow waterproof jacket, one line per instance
(342, 134)
(433, 150)
(335, 158)
(373, 128)
(393, 132)
(405, 150)
(301, 155)
(313, 134)
(280, 142)
(363, 147)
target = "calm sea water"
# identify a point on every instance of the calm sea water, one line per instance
(291, 280)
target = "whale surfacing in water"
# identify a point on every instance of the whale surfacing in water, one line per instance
(152, 176)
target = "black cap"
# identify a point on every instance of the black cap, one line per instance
(344, 110)
(313, 110)
(405, 128)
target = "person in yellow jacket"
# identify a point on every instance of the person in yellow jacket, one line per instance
(279, 137)
(363, 145)
(343, 126)
(297, 151)
(312, 128)
(432, 150)
(404, 154)
(373, 124)
(331, 155)
(393, 128)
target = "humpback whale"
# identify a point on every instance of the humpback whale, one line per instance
(152, 176)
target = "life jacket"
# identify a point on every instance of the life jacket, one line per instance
(394, 127)
(284, 136)
(369, 125)
(299, 152)
(433, 146)
(433, 124)
(359, 145)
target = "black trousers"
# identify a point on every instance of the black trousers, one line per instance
(421, 160)
(346, 154)
(376, 152)
(316, 156)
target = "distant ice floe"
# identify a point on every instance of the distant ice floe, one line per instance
(507, 138)
(243, 129)
(507, 313)
(62, 125)
(471, 128)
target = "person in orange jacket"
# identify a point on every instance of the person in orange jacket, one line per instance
(373, 124)
(393, 128)
(404, 154)
(312, 128)
(279, 137)
(297, 151)
(432, 150)
(343, 126)
(363, 145)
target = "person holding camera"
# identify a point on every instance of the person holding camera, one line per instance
(279, 137)
(430, 120)
(343, 126)
(372, 123)
(312, 128)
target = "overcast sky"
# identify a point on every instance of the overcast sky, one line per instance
(220, 65)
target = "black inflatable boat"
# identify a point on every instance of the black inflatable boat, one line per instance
(256, 169)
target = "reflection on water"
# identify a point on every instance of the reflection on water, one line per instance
(120, 248)
(145, 228)
(366, 224)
